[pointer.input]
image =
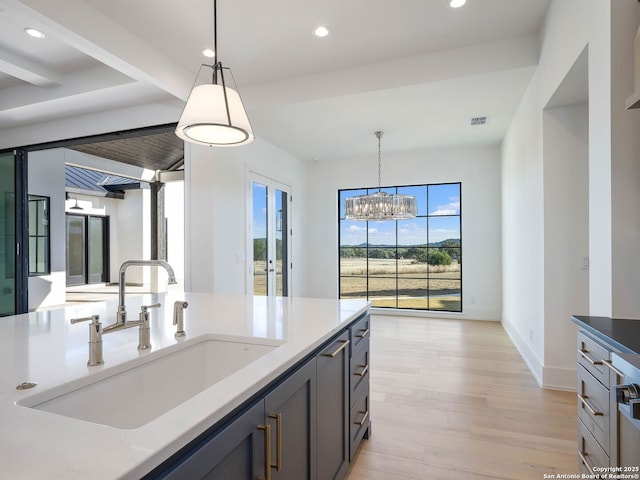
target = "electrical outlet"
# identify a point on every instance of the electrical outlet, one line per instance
(531, 335)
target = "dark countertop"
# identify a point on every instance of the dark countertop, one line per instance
(622, 334)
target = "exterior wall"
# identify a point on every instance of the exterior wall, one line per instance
(46, 178)
(570, 27)
(479, 171)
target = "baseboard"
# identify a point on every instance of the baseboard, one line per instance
(489, 315)
(530, 359)
(556, 378)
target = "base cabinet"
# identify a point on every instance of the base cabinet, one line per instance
(333, 409)
(290, 411)
(306, 426)
(237, 451)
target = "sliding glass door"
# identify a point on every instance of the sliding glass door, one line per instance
(7, 235)
(87, 249)
(269, 233)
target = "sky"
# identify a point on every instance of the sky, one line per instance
(439, 202)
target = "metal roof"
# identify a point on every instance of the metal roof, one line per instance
(95, 181)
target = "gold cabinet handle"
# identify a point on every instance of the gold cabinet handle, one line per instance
(589, 407)
(612, 368)
(588, 358)
(583, 459)
(278, 419)
(363, 334)
(338, 350)
(363, 372)
(364, 418)
(267, 449)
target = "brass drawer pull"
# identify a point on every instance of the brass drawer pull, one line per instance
(364, 418)
(612, 368)
(363, 334)
(583, 459)
(278, 419)
(589, 407)
(338, 350)
(589, 359)
(267, 449)
(363, 372)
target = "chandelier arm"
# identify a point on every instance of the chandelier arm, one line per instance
(224, 92)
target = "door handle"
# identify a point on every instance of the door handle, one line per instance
(267, 449)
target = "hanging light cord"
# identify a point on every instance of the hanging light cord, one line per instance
(379, 135)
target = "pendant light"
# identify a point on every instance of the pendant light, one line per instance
(380, 205)
(214, 114)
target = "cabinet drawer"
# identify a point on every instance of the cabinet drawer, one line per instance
(359, 332)
(590, 455)
(593, 407)
(359, 370)
(590, 355)
(359, 422)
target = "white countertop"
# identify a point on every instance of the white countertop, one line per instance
(44, 347)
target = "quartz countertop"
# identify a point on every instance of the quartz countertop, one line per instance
(621, 333)
(44, 347)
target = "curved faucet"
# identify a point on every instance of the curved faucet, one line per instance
(121, 318)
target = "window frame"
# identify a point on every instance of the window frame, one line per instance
(368, 246)
(46, 235)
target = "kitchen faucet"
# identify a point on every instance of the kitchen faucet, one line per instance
(121, 317)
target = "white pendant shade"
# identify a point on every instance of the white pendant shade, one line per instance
(208, 119)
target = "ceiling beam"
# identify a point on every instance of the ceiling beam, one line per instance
(26, 70)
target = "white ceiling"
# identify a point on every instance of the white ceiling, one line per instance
(417, 69)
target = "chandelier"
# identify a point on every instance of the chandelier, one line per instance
(380, 205)
(214, 114)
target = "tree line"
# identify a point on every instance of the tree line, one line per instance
(443, 254)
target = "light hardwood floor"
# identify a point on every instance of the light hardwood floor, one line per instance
(453, 399)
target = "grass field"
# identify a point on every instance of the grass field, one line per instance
(418, 285)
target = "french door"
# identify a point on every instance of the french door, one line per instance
(87, 249)
(269, 237)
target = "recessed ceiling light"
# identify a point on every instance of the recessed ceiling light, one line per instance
(34, 32)
(457, 3)
(208, 52)
(321, 31)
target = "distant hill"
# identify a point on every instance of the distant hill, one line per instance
(448, 243)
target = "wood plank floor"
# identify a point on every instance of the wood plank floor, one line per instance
(452, 399)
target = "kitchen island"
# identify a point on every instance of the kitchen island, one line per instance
(45, 348)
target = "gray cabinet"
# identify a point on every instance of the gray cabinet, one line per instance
(359, 420)
(593, 404)
(290, 410)
(333, 408)
(236, 451)
(305, 425)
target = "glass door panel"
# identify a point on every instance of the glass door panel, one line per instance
(269, 233)
(260, 239)
(96, 249)
(7, 235)
(76, 253)
(281, 276)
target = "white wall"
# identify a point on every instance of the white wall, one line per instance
(215, 219)
(46, 178)
(570, 27)
(625, 164)
(566, 236)
(479, 171)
